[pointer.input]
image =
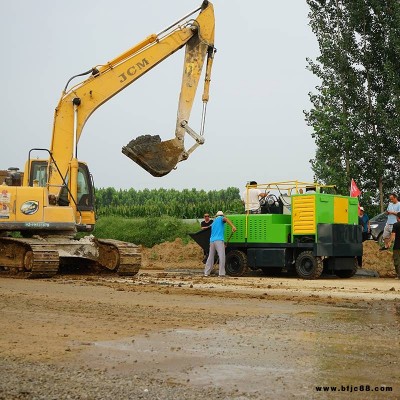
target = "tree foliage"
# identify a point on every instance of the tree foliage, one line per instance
(355, 112)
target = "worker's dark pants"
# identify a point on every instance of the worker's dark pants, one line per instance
(365, 236)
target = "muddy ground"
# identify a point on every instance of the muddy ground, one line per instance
(169, 333)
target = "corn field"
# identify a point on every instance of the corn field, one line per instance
(185, 204)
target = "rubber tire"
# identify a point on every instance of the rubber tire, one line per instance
(347, 273)
(308, 266)
(236, 263)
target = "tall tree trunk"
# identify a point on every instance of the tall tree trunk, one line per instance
(381, 194)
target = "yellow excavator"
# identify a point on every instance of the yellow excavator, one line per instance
(56, 197)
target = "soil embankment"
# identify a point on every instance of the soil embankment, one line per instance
(179, 255)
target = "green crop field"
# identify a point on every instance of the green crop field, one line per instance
(185, 204)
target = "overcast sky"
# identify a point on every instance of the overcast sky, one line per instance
(255, 128)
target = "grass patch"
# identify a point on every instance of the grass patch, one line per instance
(144, 231)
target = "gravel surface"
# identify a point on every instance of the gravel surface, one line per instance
(28, 380)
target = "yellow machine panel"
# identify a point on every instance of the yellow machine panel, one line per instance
(56, 214)
(30, 204)
(303, 211)
(86, 217)
(341, 210)
(311, 210)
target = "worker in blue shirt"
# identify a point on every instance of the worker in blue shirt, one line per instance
(392, 210)
(217, 243)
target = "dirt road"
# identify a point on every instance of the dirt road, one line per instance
(177, 335)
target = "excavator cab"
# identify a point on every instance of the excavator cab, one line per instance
(82, 202)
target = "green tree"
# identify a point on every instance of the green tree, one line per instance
(355, 113)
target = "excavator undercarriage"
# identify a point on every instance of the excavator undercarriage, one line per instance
(44, 257)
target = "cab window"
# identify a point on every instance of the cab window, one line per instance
(84, 199)
(38, 173)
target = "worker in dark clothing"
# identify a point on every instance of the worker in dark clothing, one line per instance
(395, 239)
(206, 224)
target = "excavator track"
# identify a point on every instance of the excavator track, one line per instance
(123, 257)
(43, 262)
(35, 259)
(41, 257)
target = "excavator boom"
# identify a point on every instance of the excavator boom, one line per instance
(78, 103)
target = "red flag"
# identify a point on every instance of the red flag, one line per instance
(354, 190)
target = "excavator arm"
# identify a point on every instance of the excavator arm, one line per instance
(157, 157)
(79, 102)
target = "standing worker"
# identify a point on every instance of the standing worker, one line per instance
(217, 244)
(395, 237)
(392, 210)
(251, 198)
(364, 222)
(206, 224)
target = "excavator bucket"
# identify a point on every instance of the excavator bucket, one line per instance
(156, 157)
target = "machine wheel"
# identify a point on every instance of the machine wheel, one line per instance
(236, 263)
(109, 257)
(308, 266)
(28, 260)
(347, 273)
